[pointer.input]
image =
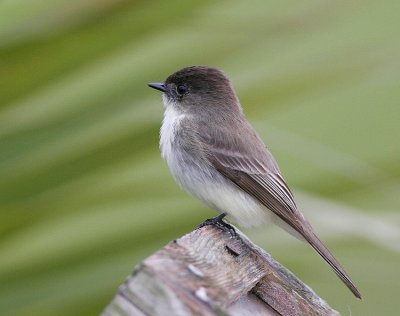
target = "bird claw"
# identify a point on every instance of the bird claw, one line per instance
(219, 223)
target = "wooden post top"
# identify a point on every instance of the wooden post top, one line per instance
(211, 272)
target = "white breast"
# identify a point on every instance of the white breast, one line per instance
(168, 130)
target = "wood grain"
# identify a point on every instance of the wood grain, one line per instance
(211, 272)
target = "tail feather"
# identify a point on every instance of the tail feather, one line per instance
(324, 252)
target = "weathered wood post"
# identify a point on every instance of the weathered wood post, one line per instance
(211, 272)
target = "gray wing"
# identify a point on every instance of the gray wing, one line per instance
(257, 178)
(243, 159)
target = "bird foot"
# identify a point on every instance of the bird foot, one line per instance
(219, 223)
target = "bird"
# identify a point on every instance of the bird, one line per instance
(215, 154)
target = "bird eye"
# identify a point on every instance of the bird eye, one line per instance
(181, 89)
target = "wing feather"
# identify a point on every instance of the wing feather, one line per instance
(244, 160)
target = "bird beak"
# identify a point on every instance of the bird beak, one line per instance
(157, 85)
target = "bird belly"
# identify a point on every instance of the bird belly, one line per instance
(227, 198)
(206, 184)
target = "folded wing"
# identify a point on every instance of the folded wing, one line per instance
(252, 168)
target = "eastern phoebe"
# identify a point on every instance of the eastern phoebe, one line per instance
(216, 155)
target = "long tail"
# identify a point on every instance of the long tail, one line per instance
(324, 252)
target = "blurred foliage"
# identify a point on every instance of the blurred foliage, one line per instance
(84, 195)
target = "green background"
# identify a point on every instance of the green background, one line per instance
(84, 194)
